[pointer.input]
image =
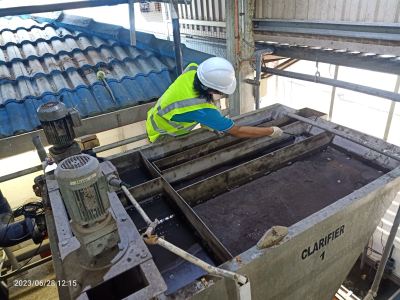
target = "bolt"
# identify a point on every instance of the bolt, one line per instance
(143, 255)
(64, 243)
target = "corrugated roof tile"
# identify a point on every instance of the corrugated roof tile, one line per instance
(44, 60)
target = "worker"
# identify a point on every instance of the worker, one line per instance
(189, 101)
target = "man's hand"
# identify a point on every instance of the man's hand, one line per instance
(254, 132)
(277, 132)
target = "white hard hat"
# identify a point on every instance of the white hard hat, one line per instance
(218, 74)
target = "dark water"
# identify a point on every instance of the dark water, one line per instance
(135, 176)
(175, 271)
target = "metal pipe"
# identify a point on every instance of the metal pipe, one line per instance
(259, 60)
(177, 37)
(343, 135)
(136, 205)
(333, 94)
(120, 143)
(363, 258)
(26, 268)
(155, 240)
(391, 110)
(11, 257)
(3, 259)
(39, 147)
(28, 252)
(337, 83)
(20, 173)
(372, 293)
(132, 31)
(96, 150)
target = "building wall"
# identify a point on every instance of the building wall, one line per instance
(330, 10)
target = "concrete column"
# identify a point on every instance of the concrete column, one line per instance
(240, 49)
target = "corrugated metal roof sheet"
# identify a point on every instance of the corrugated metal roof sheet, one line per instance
(44, 60)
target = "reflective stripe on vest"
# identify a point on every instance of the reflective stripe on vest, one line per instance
(179, 98)
(180, 104)
(159, 130)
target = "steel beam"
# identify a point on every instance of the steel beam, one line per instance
(24, 9)
(282, 66)
(203, 23)
(368, 61)
(197, 166)
(240, 48)
(177, 37)
(20, 173)
(22, 143)
(333, 93)
(132, 30)
(203, 190)
(209, 147)
(338, 83)
(391, 111)
(208, 237)
(346, 136)
(355, 31)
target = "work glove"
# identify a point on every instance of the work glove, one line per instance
(277, 132)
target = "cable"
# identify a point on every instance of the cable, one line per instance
(36, 253)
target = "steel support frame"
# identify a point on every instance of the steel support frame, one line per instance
(351, 30)
(391, 111)
(240, 49)
(131, 5)
(354, 59)
(22, 143)
(337, 83)
(65, 5)
(177, 36)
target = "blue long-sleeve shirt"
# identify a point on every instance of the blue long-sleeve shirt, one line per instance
(209, 117)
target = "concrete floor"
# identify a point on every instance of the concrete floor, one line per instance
(32, 281)
(359, 282)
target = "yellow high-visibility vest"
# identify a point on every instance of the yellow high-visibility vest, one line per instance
(179, 98)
